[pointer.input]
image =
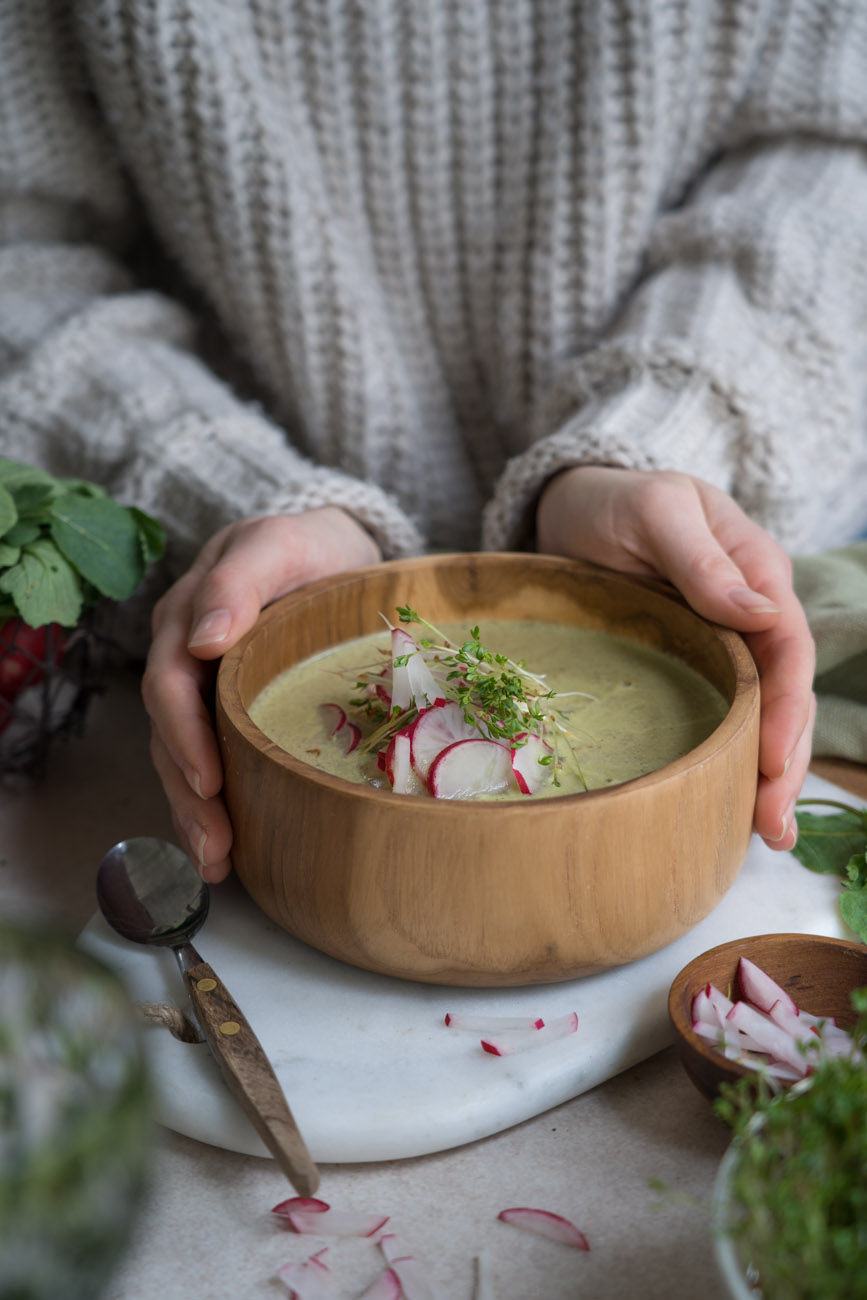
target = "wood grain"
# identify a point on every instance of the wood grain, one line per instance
(462, 892)
(248, 1073)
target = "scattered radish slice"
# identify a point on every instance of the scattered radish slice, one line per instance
(337, 1223)
(386, 1286)
(469, 768)
(312, 1203)
(545, 1224)
(309, 1279)
(509, 1041)
(415, 1280)
(531, 773)
(484, 1024)
(435, 730)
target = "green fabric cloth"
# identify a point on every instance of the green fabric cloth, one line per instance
(832, 587)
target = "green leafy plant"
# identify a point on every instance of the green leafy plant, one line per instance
(64, 543)
(797, 1192)
(836, 844)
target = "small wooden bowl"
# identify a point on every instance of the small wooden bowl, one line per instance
(474, 893)
(819, 973)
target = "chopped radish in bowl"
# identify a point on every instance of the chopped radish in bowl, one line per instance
(545, 1224)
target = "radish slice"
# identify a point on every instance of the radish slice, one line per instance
(311, 1203)
(412, 681)
(546, 1224)
(482, 1024)
(308, 1280)
(348, 737)
(758, 988)
(397, 763)
(702, 1009)
(333, 717)
(384, 1287)
(531, 773)
(510, 1041)
(435, 730)
(471, 767)
(415, 1280)
(774, 1040)
(336, 1223)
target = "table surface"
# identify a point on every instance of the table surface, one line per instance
(631, 1162)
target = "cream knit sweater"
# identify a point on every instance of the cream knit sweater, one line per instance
(418, 255)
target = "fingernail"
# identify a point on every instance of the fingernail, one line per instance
(787, 817)
(194, 781)
(212, 627)
(753, 601)
(198, 838)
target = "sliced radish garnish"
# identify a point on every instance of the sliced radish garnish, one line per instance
(531, 773)
(415, 1280)
(435, 730)
(775, 1041)
(311, 1203)
(759, 989)
(469, 768)
(348, 737)
(308, 1280)
(412, 682)
(337, 1223)
(545, 1224)
(509, 1041)
(494, 1024)
(386, 1286)
(333, 718)
(397, 763)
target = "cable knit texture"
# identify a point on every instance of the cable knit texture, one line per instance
(418, 256)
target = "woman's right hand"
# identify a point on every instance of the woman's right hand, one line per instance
(238, 572)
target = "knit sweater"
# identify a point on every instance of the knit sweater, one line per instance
(413, 257)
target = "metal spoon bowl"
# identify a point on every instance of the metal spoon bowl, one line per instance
(149, 892)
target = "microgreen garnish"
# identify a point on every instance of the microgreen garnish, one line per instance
(798, 1201)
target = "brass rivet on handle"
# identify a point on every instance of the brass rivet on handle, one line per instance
(230, 1027)
(205, 986)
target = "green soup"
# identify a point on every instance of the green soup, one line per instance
(629, 708)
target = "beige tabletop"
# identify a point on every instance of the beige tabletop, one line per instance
(631, 1162)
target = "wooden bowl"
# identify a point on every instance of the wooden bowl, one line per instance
(473, 893)
(819, 973)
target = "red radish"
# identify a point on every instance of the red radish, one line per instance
(775, 1041)
(386, 1286)
(415, 1281)
(333, 717)
(759, 989)
(471, 767)
(308, 1280)
(397, 762)
(509, 1041)
(481, 1024)
(308, 1214)
(411, 682)
(26, 652)
(545, 1224)
(531, 773)
(311, 1203)
(435, 730)
(348, 737)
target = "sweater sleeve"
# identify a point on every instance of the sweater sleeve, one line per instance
(100, 377)
(740, 356)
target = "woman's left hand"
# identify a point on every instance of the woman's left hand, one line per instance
(672, 526)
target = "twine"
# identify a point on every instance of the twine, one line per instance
(171, 1018)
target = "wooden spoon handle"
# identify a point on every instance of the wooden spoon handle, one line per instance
(248, 1072)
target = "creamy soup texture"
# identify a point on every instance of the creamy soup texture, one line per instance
(646, 708)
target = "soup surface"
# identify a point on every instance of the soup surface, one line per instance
(626, 708)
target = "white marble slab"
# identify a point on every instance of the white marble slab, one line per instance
(368, 1066)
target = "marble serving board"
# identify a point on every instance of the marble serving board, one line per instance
(367, 1064)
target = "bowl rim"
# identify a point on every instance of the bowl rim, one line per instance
(738, 716)
(679, 985)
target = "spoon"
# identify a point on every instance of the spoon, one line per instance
(149, 892)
